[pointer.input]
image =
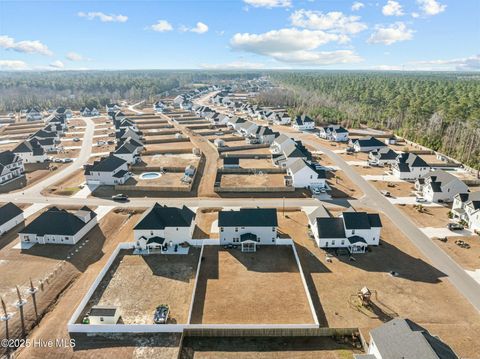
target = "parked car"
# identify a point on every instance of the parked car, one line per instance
(100, 143)
(455, 227)
(76, 139)
(110, 142)
(67, 160)
(120, 197)
(420, 200)
(161, 314)
(386, 193)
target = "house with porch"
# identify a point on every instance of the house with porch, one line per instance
(303, 123)
(466, 207)
(366, 144)
(248, 227)
(352, 230)
(385, 156)
(334, 133)
(162, 228)
(59, 226)
(110, 170)
(409, 167)
(33, 114)
(282, 119)
(30, 151)
(440, 186)
(263, 135)
(89, 111)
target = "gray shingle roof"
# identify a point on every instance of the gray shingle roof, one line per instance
(248, 217)
(330, 228)
(159, 217)
(8, 212)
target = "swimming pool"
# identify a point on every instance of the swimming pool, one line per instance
(150, 175)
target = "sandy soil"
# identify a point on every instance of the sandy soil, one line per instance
(396, 189)
(253, 163)
(174, 160)
(367, 170)
(252, 180)
(468, 258)
(163, 147)
(169, 179)
(428, 217)
(204, 219)
(236, 287)
(342, 186)
(261, 151)
(67, 186)
(140, 283)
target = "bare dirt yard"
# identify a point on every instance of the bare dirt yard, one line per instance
(419, 291)
(252, 180)
(141, 283)
(427, 216)
(116, 227)
(169, 179)
(342, 186)
(468, 258)
(173, 160)
(204, 220)
(166, 147)
(370, 170)
(396, 189)
(266, 348)
(68, 186)
(256, 163)
(236, 287)
(254, 151)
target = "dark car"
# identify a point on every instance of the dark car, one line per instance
(161, 314)
(455, 227)
(120, 197)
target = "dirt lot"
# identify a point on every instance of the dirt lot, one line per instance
(420, 292)
(468, 258)
(236, 287)
(398, 189)
(165, 147)
(429, 217)
(342, 186)
(260, 151)
(253, 163)
(174, 160)
(255, 180)
(68, 186)
(265, 348)
(357, 156)
(115, 228)
(370, 170)
(140, 283)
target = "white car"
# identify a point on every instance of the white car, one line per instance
(420, 200)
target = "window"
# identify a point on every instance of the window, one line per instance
(273, 229)
(333, 243)
(221, 229)
(343, 242)
(353, 231)
(236, 229)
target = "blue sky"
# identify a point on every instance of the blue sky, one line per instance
(240, 34)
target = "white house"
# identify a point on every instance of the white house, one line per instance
(103, 314)
(247, 128)
(440, 186)
(10, 216)
(163, 227)
(402, 338)
(112, 108)
(282, 119)
(58, 226)
(34, 114)
(304, 175)
(111, 170)
(235, 122)
(159, 106)
(89, 112)
(128, 152)
(367, 144)
(303, 123)
(30, 151)
(409, 167)
(44, 134)
(248, 227)
(334, 133)
(383, 157)
(11, 167)
(466, 206)
(352, 230)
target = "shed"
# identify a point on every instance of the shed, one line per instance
(102, 314)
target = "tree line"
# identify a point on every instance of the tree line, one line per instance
(437, 110)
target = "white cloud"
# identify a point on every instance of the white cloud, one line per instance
(57, 64)
(268, 3)
(200, 28)
(471, 63)
(26, 46)
(388, 68)
(357, 5)
(333, 21)
(415, 15)
(294, 46)
(235, 65)
(391, 34)
(431, 7)
(73, 56)
(103, 17)
(162, 26)
(392, 8)
(13, 65)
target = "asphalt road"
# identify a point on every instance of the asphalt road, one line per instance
(374, 199)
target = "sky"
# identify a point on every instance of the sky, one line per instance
(240, 34)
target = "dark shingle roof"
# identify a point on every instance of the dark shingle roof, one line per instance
(9, 211)
(106, 164)
(361, 220)
(56, 221)
(231, 160)
(330, 227)
(159, 217)
(370, 142)
(248, 217)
